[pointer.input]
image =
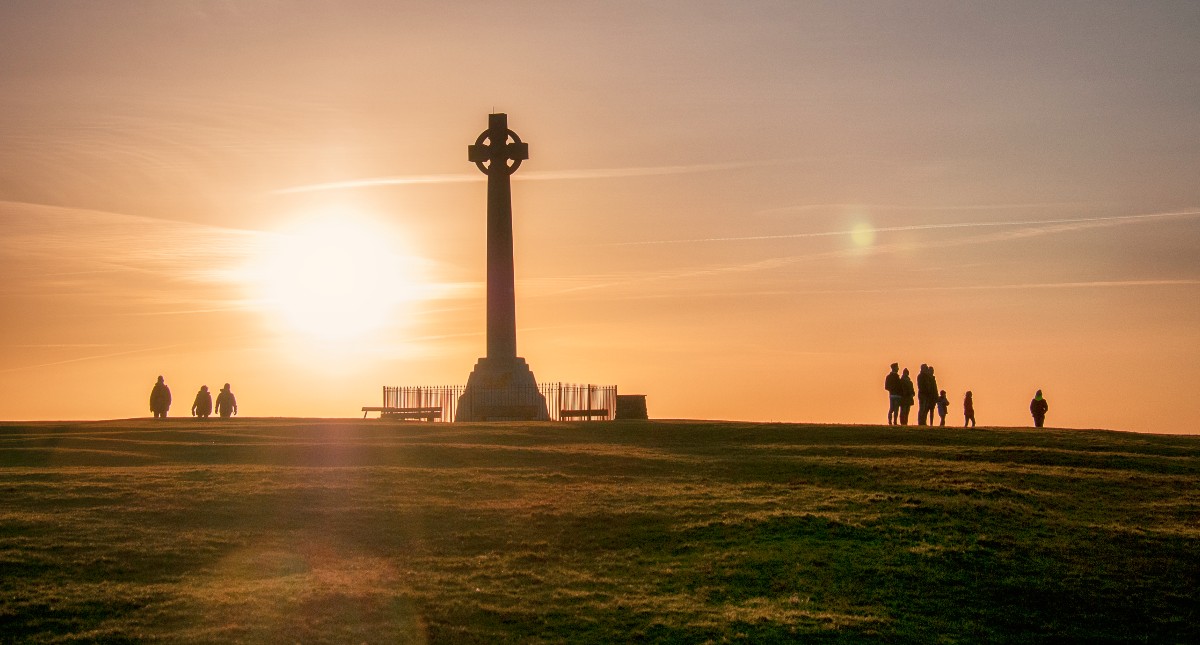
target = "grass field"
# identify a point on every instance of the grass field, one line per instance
(274, 530)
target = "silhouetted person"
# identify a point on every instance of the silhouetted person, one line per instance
(926, 395)
(160, 399)
(891, 383)
(1038, 408)
(922, 386)
(968, 410)
(226, 404)
(933, 387)
(906, 397)
(942, 405)
(202, 406)
(933, 395)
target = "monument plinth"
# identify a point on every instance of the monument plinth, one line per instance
(502, 386)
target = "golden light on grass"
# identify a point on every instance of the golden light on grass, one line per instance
(348, 531)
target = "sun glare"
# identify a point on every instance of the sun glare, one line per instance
(863, 235)
(335, 277)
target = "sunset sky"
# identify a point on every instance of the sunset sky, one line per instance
(744, 210)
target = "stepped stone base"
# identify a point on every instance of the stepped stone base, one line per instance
(502, 390)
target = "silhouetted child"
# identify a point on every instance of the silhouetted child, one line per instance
(942, 404)
(969, 410)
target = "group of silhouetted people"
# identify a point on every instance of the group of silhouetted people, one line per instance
(202, 407)
(902, 395)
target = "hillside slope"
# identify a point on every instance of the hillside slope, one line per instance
(673, 531)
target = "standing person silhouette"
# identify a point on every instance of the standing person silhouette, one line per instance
(226, 404)
(160, 399)
(891, 383)
(202, 406)
(968, 410)
(1038, 408)
(933, 396)
(906, 397)
(925, 396)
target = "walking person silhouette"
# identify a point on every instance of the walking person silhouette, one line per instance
(226, 404)
(968, 410)
(160, 399)
(202, 406)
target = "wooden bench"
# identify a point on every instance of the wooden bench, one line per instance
(581, 414)
(425, 414)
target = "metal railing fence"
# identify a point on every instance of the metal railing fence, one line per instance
(564, 401)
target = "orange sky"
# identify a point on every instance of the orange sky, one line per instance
(742, 210)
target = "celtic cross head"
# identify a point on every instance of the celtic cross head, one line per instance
(496, 147)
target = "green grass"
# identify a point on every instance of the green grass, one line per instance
(366, 531)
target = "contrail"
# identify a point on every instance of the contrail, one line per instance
(92, 358)
(382, 181)
(187, 312)
(906, 207)
(1097, 284)
(535, 175)
(918, 227)
(61, 345)
(650, 171)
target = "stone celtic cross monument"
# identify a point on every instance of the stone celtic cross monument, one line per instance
(501, 387)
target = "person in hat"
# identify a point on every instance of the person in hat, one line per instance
(1038, 408)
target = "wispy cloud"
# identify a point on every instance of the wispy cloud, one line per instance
(534, 175)
(923, 227)
(97, 256)
(1024, 230)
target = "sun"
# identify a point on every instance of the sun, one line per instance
(335, 276)
(863, 235)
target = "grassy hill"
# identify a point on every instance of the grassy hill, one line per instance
(366, 531)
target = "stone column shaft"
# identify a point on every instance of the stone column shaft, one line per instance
(501, 276)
